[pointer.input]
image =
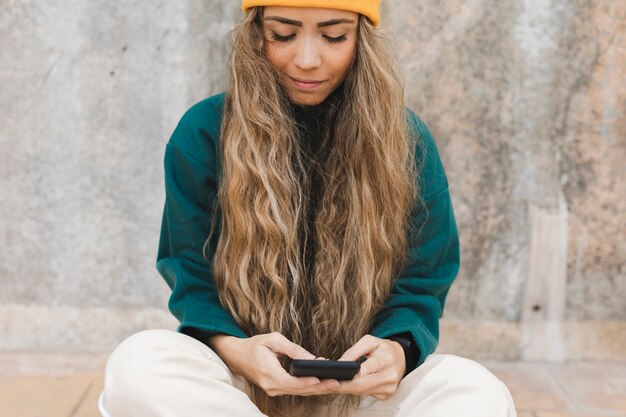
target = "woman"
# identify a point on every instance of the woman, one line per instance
(307, 216)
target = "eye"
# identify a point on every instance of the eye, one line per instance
(338, 39)
(279, 38)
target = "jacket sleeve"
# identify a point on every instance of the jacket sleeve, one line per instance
(418, 294)
(190, 188)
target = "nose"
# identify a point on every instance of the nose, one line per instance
(307, 55)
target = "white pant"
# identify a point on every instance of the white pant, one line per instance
(163, 373)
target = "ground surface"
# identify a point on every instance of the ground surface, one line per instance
(539, 389)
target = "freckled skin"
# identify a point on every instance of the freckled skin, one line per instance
(309, 53)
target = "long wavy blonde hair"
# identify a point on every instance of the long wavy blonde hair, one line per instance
(368, 191)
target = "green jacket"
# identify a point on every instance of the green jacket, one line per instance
(192, 169)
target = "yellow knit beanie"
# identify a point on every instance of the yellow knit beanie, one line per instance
(367, 8)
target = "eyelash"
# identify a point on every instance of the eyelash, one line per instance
(279, 38)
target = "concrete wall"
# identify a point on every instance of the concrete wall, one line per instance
(526, 99)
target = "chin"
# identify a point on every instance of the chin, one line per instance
(311, 101)
(307, 100)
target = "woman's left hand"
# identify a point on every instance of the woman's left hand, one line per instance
(380, 373)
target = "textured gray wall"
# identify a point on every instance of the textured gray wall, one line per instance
(526, 99)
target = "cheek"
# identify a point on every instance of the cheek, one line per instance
(342, 65)
(274, 55)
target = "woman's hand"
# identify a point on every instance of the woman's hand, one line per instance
(380, 374)
(256, 359)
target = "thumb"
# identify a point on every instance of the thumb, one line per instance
(363, 347)
(281, 344)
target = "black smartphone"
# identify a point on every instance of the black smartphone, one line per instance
(324, 369)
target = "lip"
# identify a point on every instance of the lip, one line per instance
(306, 84)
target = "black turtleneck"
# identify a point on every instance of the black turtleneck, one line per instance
(312, 125)
(312, 128)
(311, 120)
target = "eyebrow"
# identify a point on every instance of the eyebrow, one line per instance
(299, 23)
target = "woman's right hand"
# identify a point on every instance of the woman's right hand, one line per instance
(256, 359)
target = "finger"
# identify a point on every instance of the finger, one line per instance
(299, 382)
(375, 363)
(281, 344)
(356, 386)
(363, 347)
(298, 386)
(326, 386)
(368, 384)
(283, 383)
(380, 360)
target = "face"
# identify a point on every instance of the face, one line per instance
(311, 48)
